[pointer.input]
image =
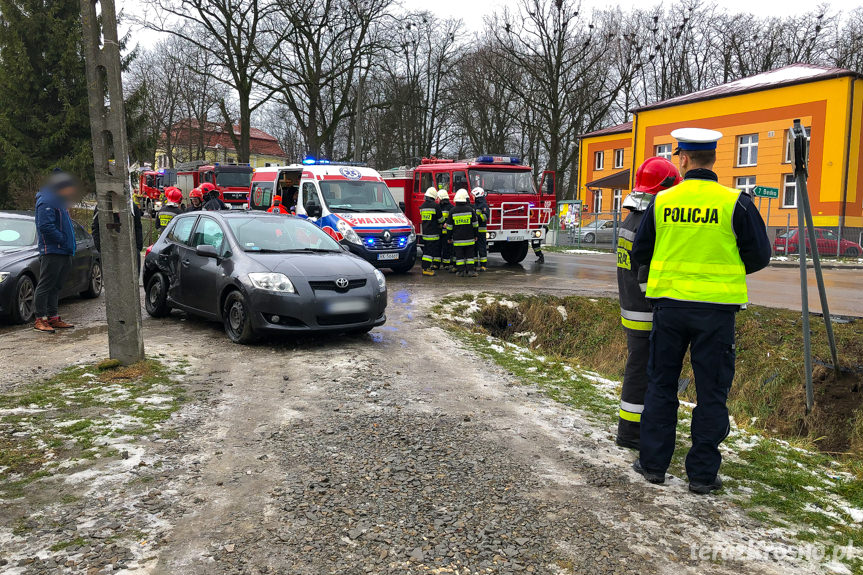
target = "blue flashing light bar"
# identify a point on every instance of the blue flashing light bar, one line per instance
(498, 160)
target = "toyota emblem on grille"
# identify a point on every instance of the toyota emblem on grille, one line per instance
(342, 283)
(387, 236)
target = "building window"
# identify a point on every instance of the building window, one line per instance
(663, 151)
(618, 198)
(789, 192)
(618, 158)
(789, 145)
(747, 150)
(746, 184)
(597, 201)
(598, 160)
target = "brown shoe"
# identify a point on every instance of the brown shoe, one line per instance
(43, 325)
(58, 323)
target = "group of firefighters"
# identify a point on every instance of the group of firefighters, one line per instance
(454, 236)
(204, 197)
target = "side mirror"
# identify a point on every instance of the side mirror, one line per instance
(403, 207)
(207, 251)
(313, 210)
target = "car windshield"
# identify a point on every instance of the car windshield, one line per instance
(234, 179)
(280, 234)
(358, 196)
(502, 181)
(16, 233)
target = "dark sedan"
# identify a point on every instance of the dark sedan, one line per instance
(257, 272)
(19, 266)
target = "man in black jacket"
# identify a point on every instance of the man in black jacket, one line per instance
(430, 215)
(462, 226)
(636, 313)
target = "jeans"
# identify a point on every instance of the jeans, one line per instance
(52, 274)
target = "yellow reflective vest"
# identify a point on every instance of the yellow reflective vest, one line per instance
(695, 256)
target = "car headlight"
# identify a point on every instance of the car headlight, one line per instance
(272, 282)
(4, 276)
(382, 280)
(348, 232)
(413, 235)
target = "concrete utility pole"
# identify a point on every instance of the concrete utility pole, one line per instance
(113, 192)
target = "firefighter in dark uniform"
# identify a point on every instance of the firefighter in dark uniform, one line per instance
(537, 251)
(213, 202)
(700, 239)
(480, 206)
(196, 200)
(462, 226)
(430, 215)
(446, 246)
(636, 313)
(166, 213)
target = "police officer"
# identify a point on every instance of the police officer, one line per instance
(446, 238)
(636, 313)
(277, 207)
(171, 208)
(700, 239)
(211, 195)
(482, 212)
(430, 214)
(462, 225)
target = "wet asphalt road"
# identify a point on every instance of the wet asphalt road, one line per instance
(581, 274)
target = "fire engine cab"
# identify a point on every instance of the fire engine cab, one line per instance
(349, 202)
(232, 180)
(519, 212)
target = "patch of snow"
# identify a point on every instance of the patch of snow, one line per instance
(20, 410)
(589, 252)
(562, 311)
(154, 399)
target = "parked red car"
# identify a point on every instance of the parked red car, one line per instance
(825, 239)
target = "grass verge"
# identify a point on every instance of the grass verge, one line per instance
(572, 348)
(82, 414)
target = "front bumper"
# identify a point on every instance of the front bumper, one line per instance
(324, 311)
(506, 236)
(403, 257)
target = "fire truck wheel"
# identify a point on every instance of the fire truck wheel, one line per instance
(156, 296)
(514, 253)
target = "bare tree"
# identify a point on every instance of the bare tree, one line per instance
(232, 33)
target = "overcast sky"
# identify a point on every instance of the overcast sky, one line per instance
(473, 11)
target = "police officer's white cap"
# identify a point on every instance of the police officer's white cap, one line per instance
(695, 139)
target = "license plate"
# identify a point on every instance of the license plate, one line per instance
(388, 256)
(515, 238)
(347, 306)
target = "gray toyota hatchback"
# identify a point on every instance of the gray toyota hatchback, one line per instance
(261, 273)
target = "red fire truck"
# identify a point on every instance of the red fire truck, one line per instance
(151, 183)
(232, 180)
(519, 212)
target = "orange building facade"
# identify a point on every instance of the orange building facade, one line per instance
(754, 115)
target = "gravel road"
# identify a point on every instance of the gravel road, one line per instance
(396, 452)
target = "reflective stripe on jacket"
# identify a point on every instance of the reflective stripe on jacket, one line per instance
(695, 256)
(635, 311)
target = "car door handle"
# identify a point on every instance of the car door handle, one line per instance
(186, 262)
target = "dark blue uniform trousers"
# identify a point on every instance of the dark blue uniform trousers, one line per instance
(709, 335)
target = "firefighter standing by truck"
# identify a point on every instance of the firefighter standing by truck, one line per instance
(636, 313)
(212, 201)
(483, 213)
(446, 238)
(430, 215)
(700, 239)
(462, 225)
(196, 200)
(173, 197)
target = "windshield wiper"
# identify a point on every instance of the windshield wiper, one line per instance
(381, 210)
(263, 251)
(316, 250)
(341, 209)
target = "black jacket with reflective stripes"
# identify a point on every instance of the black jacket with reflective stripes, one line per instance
(430, 214)
(482, 212)
(445, 207)
(635, 311)
(462, 224)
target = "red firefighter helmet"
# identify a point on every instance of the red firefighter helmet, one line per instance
(654, 175)
(173, 194)
(206, 188)
(197, 193)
